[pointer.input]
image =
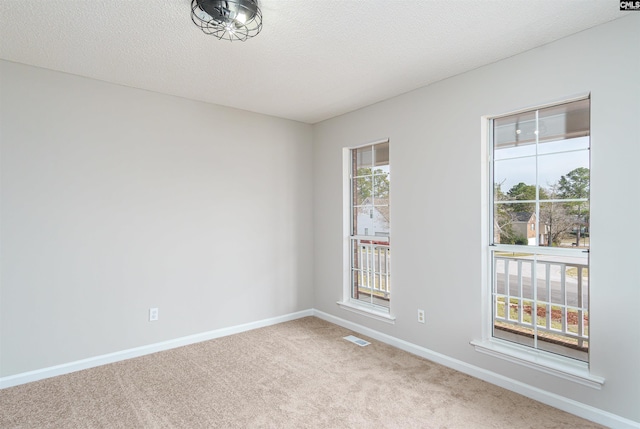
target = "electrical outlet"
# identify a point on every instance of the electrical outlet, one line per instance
(420, 316)
(153, 314)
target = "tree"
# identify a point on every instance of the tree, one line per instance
(506, 214)
(524, 192)
(369, 181)
(555, 218)
(501, 217)
(575, 185)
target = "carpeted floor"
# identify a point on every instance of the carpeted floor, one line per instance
(299, 374)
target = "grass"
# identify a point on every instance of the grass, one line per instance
(573, 272)
(512, 254)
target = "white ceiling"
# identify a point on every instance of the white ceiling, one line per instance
(313, 60)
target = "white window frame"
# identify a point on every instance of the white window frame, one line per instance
(347, 302)
(540, 360)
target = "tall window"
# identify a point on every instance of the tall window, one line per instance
(539, 225)
(370, 255)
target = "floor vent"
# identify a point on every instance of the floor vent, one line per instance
(358, 341)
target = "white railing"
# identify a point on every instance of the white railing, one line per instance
(558, 304)
(372, 269)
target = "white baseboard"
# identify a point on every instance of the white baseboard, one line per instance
(66, 368)
(565, 404)
(579, 409)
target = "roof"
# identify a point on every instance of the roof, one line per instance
(522, 216)
(379, 204)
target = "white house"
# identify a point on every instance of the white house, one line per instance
(374, 219)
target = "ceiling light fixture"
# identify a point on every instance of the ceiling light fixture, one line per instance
(229, 20)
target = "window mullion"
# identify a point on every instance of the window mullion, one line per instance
(534, 305)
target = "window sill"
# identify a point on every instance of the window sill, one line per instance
(367, 311)
(569, 369)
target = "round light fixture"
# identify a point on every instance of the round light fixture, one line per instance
(229, 20)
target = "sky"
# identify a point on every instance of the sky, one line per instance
(518, 164)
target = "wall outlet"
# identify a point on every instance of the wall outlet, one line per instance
(153, 314)
(420, 316)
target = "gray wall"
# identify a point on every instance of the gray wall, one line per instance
(437, 202)
(115, 200)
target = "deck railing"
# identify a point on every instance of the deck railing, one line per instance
(555, 310)
(373, 268)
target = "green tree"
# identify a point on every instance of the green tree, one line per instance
(524, 192)
(372, 184)
(575, 185)
(506, 214)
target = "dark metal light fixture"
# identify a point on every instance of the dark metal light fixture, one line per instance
(229, 20)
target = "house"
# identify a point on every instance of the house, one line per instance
(116, 199)
(374, 220)
(520, 225)
(524, 224)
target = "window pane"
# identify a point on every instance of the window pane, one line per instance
(371, 267)
(564, 305)
(382, 154)
(573, 166)
(363, 190)
(515, 224)
(514, 152)
(564, 224)
(512, 280)
(371, 191)
(364, 157)
(554, 146)
(381, 220)
(564, 121)
(372, 220)
(515, 130)
(554, 314)
(512, 176)
(381, 182)
(560, 122)
(364, 220)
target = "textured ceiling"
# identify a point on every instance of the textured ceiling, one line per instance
(313, 60)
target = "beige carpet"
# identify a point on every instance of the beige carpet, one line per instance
(299, 374)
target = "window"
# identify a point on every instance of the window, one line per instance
(539, 228)
(369, 253)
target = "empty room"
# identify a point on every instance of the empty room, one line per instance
(321, 214)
